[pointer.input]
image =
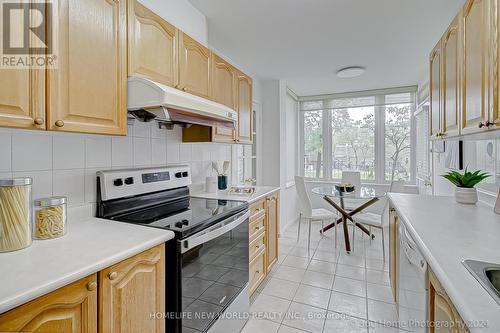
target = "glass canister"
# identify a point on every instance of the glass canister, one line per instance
(15, 214)
(50, 218)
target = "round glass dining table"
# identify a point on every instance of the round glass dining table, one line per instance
(366, 196)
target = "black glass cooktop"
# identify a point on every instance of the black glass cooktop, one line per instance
(185, 216)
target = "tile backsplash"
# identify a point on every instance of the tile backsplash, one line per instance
(66, 163)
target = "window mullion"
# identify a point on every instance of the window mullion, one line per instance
(380, 140)
(327, 145)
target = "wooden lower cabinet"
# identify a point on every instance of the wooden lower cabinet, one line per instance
(272, 230)
(263, 236)
(131, 291)
(125, 294)
(70, 309)
(394, 251)
(443, 316)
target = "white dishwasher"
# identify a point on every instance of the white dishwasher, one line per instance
(412, 286)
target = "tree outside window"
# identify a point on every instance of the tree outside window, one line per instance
(313, 144)
(397, 142)
(353, 142)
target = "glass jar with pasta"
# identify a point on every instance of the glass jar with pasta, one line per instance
(50, 218)
(15, 214)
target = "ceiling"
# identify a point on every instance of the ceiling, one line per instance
(304, 42)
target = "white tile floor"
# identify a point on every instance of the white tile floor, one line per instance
(325, 290)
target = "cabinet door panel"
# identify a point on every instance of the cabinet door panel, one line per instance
(152, 45)
(450, 55)
(194, 67)
(223, 92)
(224, 79)
(475, 76)
(435, 90)
(495, 111)
(272, 230)
(71, 309)
(87, 90)
(245, 128)
(133, 288)
(22, 98)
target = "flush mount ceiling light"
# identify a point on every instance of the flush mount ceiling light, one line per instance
(350, 72)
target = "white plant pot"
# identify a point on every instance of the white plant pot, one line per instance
(466, 195)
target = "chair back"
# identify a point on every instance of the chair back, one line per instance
(354, 178)
(305, 207)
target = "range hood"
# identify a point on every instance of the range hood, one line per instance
(148, 100)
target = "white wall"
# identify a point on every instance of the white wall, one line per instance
(279, 151)
(183, 15)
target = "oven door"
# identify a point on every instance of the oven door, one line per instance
(214, 276)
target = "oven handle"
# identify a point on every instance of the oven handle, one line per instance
(212, 232)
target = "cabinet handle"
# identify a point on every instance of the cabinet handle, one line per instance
(481, 124)
(184, 89)
(91, 286)
(112, 275)
(38, 121)
(59, 123)
(489, 123)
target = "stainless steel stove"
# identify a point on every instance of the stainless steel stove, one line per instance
(206, 262)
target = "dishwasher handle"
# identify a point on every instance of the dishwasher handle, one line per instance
(411, 250)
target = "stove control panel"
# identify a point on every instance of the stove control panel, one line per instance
(128, 182)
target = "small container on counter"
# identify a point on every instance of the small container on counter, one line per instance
(50, 218)
(15, 214)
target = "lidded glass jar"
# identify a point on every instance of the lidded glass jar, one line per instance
(50, 218)
(15, 214)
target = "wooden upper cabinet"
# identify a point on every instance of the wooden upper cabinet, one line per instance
(152, 46)
(244, 108)
(475, 85)
(22, 98)
(435, 90)
(87, 91)
(450, 113)
(495, 110)
(133, 289)
(194, 67)
(223, 82)
(71, 309)
(223, 92)
(272, 230)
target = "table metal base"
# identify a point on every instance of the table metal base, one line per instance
(347, 216)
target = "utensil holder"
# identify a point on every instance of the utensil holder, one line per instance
(222, 182)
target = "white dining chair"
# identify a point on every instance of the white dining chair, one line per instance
(353, 178)
(375, 217)
(312, 214)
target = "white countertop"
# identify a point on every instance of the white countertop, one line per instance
(89, 246)
(447, 233)
(260, 192)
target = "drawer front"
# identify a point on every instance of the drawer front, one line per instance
(257, 245)
(257, 208)
(256, 227)
(257, 271)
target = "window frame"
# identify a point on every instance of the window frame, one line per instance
(379, 114)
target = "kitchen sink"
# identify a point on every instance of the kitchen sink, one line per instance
(488, 275)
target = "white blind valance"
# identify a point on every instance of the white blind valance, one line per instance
(357, 102)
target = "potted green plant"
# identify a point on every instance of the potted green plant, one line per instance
(465, 192)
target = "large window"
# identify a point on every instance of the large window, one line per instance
(371, 133)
